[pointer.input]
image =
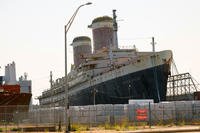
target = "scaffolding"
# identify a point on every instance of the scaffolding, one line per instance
(181, 87)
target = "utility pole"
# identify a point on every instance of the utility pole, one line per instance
(66, 29)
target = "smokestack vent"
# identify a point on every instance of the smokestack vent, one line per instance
(81, 38)
(81, 45)
(102, 19)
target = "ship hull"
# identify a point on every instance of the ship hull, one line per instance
(150, 83)
(12, 103)
(7, 99)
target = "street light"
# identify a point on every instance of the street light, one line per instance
(67, 26)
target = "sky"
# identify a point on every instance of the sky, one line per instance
(32, 32)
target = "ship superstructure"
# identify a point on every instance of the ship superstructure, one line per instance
(110, 75)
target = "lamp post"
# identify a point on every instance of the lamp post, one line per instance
(67, 26)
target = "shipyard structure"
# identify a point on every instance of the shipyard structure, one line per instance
(108, 74)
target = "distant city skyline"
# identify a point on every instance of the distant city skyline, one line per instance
(32, 32)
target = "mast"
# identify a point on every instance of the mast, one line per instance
(51, 79)
(155, 70)
(153, 44)
(115, 29)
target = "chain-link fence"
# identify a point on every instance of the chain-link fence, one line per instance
(179, 112)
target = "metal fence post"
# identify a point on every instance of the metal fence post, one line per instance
(163, 114)
(95, 120)
(113, 114)
(134, 115)
(89, 117)
(149, 115)
(175, 114)
(6, 117)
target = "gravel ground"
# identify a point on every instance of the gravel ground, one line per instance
(172, 129)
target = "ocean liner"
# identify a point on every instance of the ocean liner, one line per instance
(108, 74)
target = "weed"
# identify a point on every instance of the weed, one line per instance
(78, 127)
(160, 123)
(117, 127)
(181, 123)
(46, 130)
(15, 129)
(108, 126)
